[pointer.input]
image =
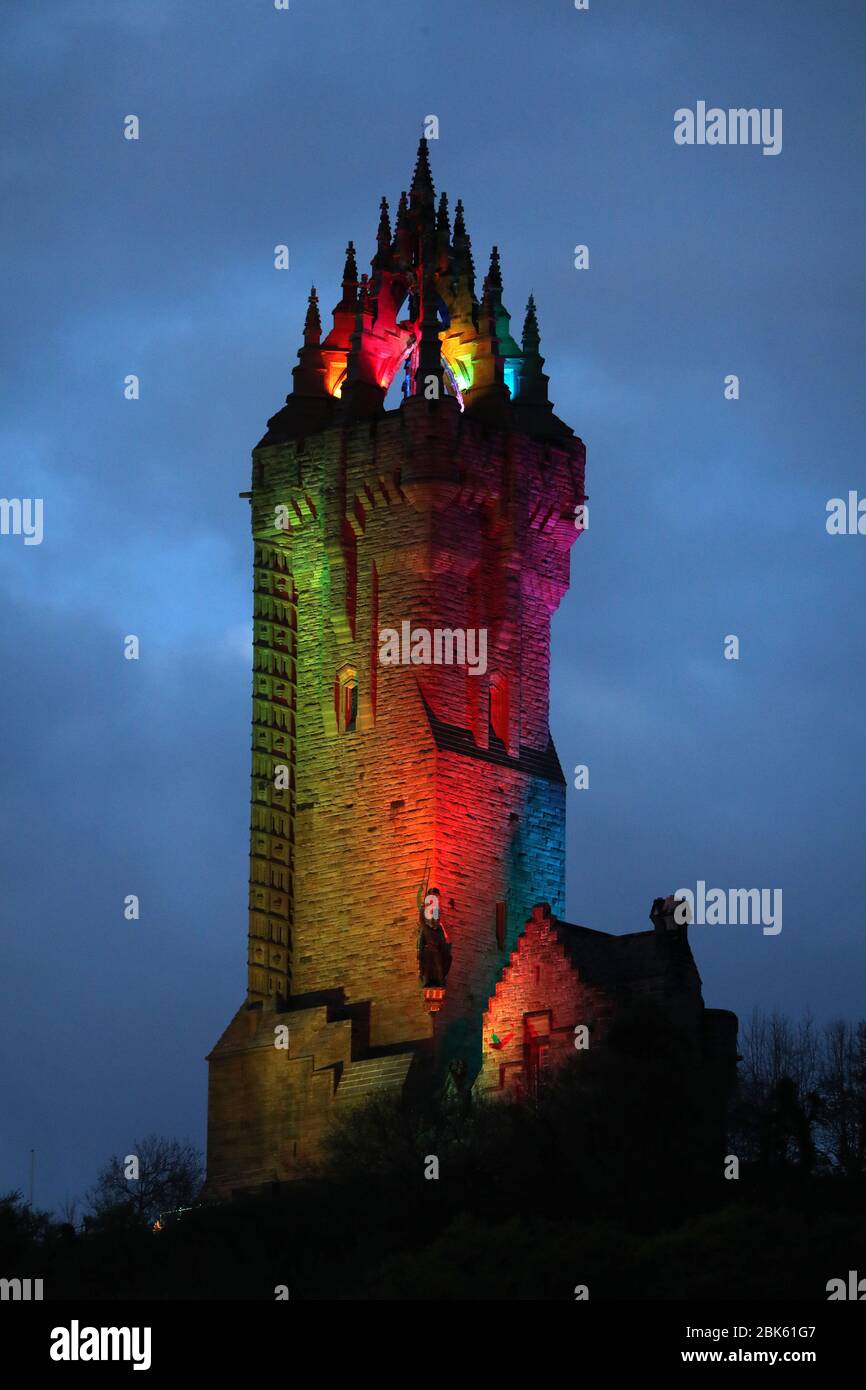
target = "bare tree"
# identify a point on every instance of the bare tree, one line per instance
(773, 1048)
(69, 1211)
(842, 1126)
(166, 1174)
(779, 1101)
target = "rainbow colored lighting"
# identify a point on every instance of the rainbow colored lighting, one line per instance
(425, 272)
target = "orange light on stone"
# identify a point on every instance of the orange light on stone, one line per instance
(336, 375)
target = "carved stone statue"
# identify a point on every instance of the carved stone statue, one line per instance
(434, 945)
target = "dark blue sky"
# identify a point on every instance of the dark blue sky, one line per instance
(707, 516)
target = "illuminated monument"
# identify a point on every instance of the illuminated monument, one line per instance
(407, 861)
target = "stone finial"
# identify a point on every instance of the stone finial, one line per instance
(531, 338)
(443, 222)
(422, 180)
(383, 235)
(350, 269)
(312, 322)
(383, 256)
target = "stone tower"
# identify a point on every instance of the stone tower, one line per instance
(387, 766)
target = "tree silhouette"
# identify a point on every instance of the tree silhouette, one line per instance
(170, 1175)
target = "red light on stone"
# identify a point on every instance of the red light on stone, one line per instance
(433, 999)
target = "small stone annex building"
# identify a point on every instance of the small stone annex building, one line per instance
(407, 855)
(562, 978)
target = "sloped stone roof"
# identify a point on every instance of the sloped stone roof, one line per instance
(602, 958)
(533, 761)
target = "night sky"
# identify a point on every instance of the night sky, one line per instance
(707, 516)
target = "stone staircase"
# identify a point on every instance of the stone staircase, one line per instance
(372, 1076)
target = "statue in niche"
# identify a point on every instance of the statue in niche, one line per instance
(457, 1092)
(434, 943)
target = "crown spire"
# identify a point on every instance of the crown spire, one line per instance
(312, 322)
(531, 337)
(362, 394)
(309, 375)
(422, 180)
(350, 270)
(384, 233)
(349, 296)
(443, 222)
(350, 283)
(532, 379)
(464, 266)
(382, 257)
